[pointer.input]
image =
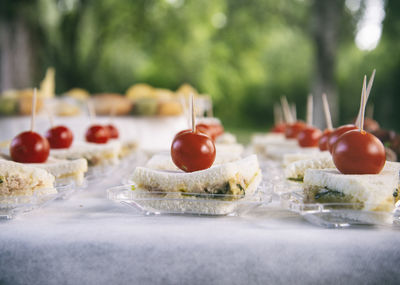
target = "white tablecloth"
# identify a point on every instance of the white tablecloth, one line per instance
(152, 133)
(88, 239)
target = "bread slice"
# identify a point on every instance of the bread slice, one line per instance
(95, 154)
(376, 192)
(295, 170)
(17, 179)
(65, 169)
(234, 178)
(289, 158)
(163, 160)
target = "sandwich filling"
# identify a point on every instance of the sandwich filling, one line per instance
(295, 171)
(233, 179)
(18, 179)
(377, 192)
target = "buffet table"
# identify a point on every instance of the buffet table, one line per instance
(88, 239)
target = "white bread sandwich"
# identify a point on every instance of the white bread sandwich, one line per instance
(128, 146)
(376, 192)
(277, 152)
(226, 138)
(295, 171)
(95, 154)
(241, 177)
(17, 179)
(163, 160)
(65, 170)
(293, 157)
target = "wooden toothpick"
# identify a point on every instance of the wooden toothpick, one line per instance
(92, 112)
(327, 112)
(370, 82)
(294, 112)
(363, 104)
(33, 115)
(192, 112)
(286, 110)
(368, 91)
(309, 110)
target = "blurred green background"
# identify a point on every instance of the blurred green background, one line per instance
(245, 53)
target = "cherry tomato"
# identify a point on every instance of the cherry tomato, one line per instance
(114, 134)
(206, 129)
(212, 130)
(193, 151)
(59, 137)
(181, 132)
(309, 137)
(323, 141)
(218, 130)
(370, 125)
(337, 133)
(293, 130)
(29, 147)
(97, 134)
(359, 152)
(279, 128)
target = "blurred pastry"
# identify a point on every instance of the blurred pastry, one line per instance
(186, 89)
(111, 103)
(140, 90)
(170, 108)
(145, 107)
(25, 101)
(78, 94)
(48, 86)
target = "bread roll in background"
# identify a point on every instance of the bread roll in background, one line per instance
(106, 104)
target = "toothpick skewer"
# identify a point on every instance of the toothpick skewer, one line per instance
(192, 111)
(357, 123)
(370, 82)
(309, 110)
(363, 104)
(92, 112)
(286, 110)
(368, 91)
(294, 112)
(33, 115)
(327, 112)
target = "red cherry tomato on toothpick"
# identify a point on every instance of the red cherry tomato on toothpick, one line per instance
(293, 130)
(114, 134)
(323, 141)
(359, 152)
(97, 134)
(333, 138)
(59, 137)
(309, 137)
(193, 151)
(279, 128)
(29, 147)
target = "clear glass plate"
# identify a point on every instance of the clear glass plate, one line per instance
(337, 215)
(12, 206)
(96, 174)
(156, 203)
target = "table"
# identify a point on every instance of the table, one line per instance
(90, 240)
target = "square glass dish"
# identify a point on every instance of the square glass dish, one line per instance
(338, 215)
(11, 206)
(156, 203)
